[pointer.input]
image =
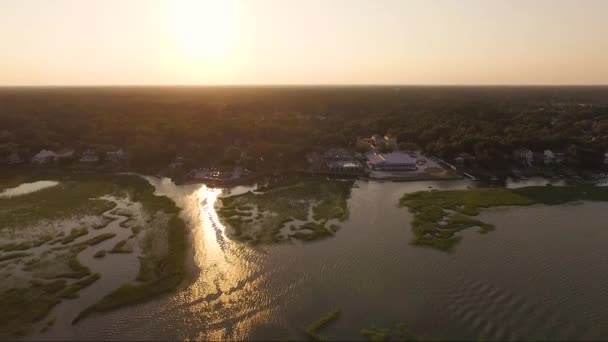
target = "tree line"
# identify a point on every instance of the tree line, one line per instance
(274, 127)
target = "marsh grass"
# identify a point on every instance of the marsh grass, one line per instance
(99, 254)
(311, 231)
(16, 246)
(97, 239)
(75, 197)
(439, 215)
(69, 198)
(22, 307)
(158, 273)
(398, 332)
(120, 247)
(105, 221)
(12, 256)
(313, 329)
(282, 201)
(71, 291)
(73, 235)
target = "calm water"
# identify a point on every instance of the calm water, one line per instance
(27, 188)
(539, 275)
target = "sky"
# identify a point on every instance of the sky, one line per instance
(230, 42)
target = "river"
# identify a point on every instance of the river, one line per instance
(539, 275)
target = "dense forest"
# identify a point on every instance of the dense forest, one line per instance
(263, 127)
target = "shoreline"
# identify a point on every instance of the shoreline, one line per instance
(419, 177)
(33, 173)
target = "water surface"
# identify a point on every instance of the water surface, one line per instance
(26, 188)
(539, 275)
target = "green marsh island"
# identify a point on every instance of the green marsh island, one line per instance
(303, 209)
(439, 215)
(53, 243)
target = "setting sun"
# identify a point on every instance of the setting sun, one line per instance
(204, 31)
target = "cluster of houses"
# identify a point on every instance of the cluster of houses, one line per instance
(377, 141)
(340, 160)
(392, 161)
(526, 157)
(88, 156)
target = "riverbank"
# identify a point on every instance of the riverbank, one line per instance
(439, 215)
(53, 244)
(271, 291)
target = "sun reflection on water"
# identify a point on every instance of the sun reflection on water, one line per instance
(228, 298)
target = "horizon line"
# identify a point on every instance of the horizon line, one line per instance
(303, 85)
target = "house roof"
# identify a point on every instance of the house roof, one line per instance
(45, 154)
(345, 165)
(390, 158)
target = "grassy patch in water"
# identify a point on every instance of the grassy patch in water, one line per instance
(22, 307)
(13, 256)
(16, 246)
(72, 290)
(121, 247)
(105, 221)
(78, 269)
(60, 263)
(399, 332)
(439, 215)
(97, 239)
(283, 201)
(99, 254)
(159, 273)
(313, 329)
(75, 233)
(311, 231)
(69, 198)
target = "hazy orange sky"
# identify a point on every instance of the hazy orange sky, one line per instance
(107, 42)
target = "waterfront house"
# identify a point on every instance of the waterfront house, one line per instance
(342, 161)
(552, 158)
(43, 157)
(89, 156)
(115, 156)
(351, 166)
(393, 161)
(549, 157)
(524, 156)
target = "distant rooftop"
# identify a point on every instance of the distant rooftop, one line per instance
(391, 158)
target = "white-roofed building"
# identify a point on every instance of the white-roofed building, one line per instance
(115, 156)
(89, 156)
(342, 161)
(43, 157)
(393, 161)
(351, 166)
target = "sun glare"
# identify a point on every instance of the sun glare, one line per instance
(204, 30)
